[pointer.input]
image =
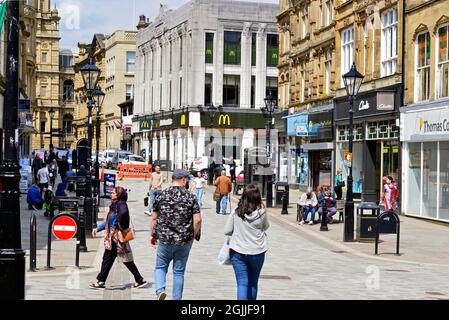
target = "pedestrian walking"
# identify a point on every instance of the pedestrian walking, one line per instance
(156, 182)
(36, 166)
(53, 172)
(389, 194)
(224, 188)
(117, 220)
(247, 227)
(63, 168)
(199, 183)
(43, 177)
(175, 223)
(339, 184)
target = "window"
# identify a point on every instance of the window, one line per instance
(129, 92)
(44, 57)
(208, 89)
(328, 8)
(253, 92)
(389, 42)
(232, 47)
(422, 82)
(209, 48)
(347, 50)
(327, 67)
(43, 92)
(43, 122)
(180, 52)
(231, 91)
(272, 86)
(171, 58)
(68, 93)
(272, 50)
(65, 61)
(305, 21)
(130, 61)
(254, 48)
(67, 124)
(443, 62)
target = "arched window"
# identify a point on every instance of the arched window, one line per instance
(67, 124)
(68, 94)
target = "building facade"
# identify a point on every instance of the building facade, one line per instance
(307, 88)
(425, 114)
(204, 53)
(369, 34)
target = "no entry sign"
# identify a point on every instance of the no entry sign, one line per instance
(64, 228)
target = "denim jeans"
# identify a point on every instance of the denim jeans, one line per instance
(331, 211)
(306, 213)
(179, 255)
(153, 195)
(199, 195)
(222, 205)
(247, 271)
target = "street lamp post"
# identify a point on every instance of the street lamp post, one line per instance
(352, 80)
(212, 110)
(98, 96)
(12, 257)
(51, 112)
(270, 106)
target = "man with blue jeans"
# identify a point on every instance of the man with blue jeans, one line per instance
(309, 202)
(155, 187)
(200, 184)
(175, 223)
(224, 188)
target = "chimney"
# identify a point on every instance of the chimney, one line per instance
(143, 22)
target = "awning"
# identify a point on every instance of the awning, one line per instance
(317, 146)
(26, 130)
(117, 124)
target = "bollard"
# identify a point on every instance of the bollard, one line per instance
(82, 224)
(324, 217)
(284, 202)
(33, 240)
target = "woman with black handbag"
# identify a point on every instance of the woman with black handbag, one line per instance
(117, 221)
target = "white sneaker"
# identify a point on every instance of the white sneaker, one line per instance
(148, 213)
(311, 223)
(302, 222)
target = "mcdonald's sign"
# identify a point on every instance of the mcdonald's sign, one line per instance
(183, 120)
(224, 120)
(145, 124)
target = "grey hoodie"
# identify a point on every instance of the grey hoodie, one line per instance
(248, 236)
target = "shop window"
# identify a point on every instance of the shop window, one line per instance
(208, 89)
(430, 179)
(383, 129)
(342, 134)
(444, 182)
(413, 181)
(394, 130)
(272, 50)
(358, 132)
(253, 48)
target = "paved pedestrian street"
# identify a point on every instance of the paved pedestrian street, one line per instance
(297, 266)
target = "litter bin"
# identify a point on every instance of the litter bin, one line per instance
(366, 222)
(281, 187)
(68, 205)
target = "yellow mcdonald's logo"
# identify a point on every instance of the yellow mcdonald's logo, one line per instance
(224, 119)
(144, 124)
(183, 120)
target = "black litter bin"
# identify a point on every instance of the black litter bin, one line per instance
(367, 213)
(68, 205)
(282, 187)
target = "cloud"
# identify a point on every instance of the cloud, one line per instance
(81, 19)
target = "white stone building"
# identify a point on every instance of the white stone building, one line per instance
(207, 52)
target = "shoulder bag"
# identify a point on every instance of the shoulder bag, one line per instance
(124, 236)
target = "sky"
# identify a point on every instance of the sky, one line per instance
(81, 19)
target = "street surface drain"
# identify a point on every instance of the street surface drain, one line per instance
(338, 251)
(436, 293)
(275, 277)
(393, 270)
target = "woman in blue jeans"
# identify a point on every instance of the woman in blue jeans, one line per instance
(248, 243)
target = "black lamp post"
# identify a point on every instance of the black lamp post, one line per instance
(270, 107)
(51, 112)
(352, 80)
(212, 110)
(98, 96)
(12, 257)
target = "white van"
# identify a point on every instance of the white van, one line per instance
(107, 157)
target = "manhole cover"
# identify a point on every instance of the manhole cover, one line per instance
(267, 277)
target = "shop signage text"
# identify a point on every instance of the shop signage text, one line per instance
(234, 120)
(364, 105)
(424, 125)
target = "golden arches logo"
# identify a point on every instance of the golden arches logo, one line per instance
(224, 119)
(183, 120)
(421, 123)
(145, 124)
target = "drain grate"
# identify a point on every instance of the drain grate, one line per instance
(274, 277)
(338, 251)
(435, 293)
(396, 270)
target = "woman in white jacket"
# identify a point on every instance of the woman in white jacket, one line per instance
(246, 226)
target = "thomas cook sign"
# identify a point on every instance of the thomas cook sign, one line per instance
(430, 125)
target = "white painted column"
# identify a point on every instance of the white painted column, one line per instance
(201, 142)
(198, 70)
(172, 147)
(217, 95)
(245, 77)
(261, 66)
(247, 142)
(190, 147)
(179, 149)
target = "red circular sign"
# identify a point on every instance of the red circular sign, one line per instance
(64, 228)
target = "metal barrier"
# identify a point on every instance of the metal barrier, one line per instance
(33, 242)
(134, 170)
(388, 223)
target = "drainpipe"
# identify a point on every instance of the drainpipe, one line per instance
(399, 182)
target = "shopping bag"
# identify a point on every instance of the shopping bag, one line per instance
(224, 257)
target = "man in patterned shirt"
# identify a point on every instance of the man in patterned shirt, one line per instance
(175, 223)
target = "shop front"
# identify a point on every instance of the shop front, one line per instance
(312, 154)
(425, 137)
(376, 140)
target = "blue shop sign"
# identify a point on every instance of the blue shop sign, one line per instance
(300, 126)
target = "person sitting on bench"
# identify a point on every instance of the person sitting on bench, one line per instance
(328, 199)
(309, 202)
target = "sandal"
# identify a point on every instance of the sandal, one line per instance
(97, 285)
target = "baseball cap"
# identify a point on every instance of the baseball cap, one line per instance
(179, 174)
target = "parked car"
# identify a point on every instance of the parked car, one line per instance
(118, 158)
(134, 159)
(107, 157)
(201, 165)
